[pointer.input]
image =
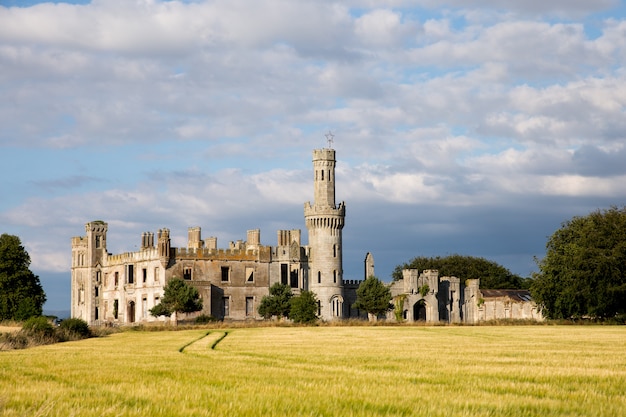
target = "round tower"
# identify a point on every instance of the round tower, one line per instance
(324, 222)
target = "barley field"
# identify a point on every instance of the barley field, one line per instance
(324, 371)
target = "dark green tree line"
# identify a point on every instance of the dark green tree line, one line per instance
(584, 271)
(491, 274)
(21, 293)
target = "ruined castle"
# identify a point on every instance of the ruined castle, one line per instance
(122, 288)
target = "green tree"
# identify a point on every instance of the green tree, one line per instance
(277, 303)
(491, 274)
(21, 293)
(584, 271)
(304, 308)
(374, 297)
(178, 297)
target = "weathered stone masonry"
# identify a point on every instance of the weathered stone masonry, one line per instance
(122, 288)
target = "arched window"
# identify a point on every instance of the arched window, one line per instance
(337, 306)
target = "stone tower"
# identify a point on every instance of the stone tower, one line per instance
(325, 221)
(88, 253)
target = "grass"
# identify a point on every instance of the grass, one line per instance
(324, 371)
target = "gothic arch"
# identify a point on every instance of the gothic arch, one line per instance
(420, 311)
(336, 306)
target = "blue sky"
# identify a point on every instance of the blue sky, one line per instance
(463, 126)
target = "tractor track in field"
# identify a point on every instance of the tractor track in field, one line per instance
(208, 341)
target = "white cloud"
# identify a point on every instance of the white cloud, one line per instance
(204, 113)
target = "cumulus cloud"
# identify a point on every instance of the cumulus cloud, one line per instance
(447, 115)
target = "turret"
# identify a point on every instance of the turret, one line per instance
(96, 242)
(163, 237)
(325, 221)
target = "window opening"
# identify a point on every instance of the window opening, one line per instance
(187, 274)
(293, 279)
(249, 306)
(225, 273)
(144, 307)
(319, 277)
(249, 274)
(284, 274)
(144, 275)
(131, 312)
(226, 304)
(131, 274)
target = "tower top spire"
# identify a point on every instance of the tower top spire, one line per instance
(330, 138)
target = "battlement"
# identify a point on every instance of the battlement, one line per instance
(259, 253)
(96, 226)
(323, 154)
(78, 241)
(146, 254)
(315, 210)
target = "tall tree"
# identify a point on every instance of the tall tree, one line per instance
(21, 293)
(491, 274)
(277, 303)
(374, 297)
(584, 271)
(304, 308)
(178, 297)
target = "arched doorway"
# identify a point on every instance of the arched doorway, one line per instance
(131, 312)
(419, 311)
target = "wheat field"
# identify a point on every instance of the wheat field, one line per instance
(324, 371)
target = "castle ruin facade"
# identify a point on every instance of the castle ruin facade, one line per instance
(122, 288)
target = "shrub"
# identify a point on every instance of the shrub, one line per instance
(204, 318)
(76, 326)
(16, 340)
(38, 326)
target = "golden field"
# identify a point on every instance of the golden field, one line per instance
(324, 371)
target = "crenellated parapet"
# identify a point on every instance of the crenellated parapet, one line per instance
(320, 210)
(79, 241)
(259, 253)
(324, 155)
(328, 218)
(145, 255)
